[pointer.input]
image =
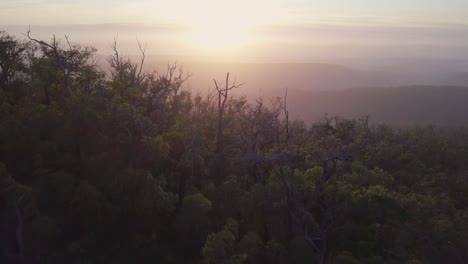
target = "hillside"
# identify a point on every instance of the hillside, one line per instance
(314, 76)
(459, 78)
(442, 105)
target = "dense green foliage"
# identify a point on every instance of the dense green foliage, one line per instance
(130, 167)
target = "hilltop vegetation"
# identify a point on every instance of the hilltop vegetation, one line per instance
(130, 167)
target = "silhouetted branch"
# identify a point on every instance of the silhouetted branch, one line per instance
(56, 51)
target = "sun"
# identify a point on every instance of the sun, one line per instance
(221, 36)
(221, 25)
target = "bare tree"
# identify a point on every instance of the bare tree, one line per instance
(350, 138)
(64, 62)
(123, 69)
(222, 95)
(149, 97)
(222, 98)
(313, 219)
(70, 61)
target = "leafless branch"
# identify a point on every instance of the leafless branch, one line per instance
(59, 59)
(143, 56)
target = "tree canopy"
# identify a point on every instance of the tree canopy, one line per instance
(132, 167)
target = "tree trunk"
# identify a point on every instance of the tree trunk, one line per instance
(19, 232)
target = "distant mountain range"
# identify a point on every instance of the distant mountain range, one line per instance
(395, 97)
(317, 77)
(441, 105)
(460, 78)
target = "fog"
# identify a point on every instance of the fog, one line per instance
(361, 44)
(311, 61)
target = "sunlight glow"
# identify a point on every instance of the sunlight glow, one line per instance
(223, 25)
(220, 36)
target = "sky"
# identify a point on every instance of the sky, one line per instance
(46, 12)
(254, 30)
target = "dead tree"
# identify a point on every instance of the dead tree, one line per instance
(274, 127)
(223, 95)
(314, 220)
(222, 99)
(59, 57)
(130, 78)
(148, 97)
(252, 136)
(123, 69)
(351, 138)
(71, 61)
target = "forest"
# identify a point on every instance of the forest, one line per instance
(129, 166)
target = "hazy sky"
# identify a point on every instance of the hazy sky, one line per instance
(270, 11)
(283, 30)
